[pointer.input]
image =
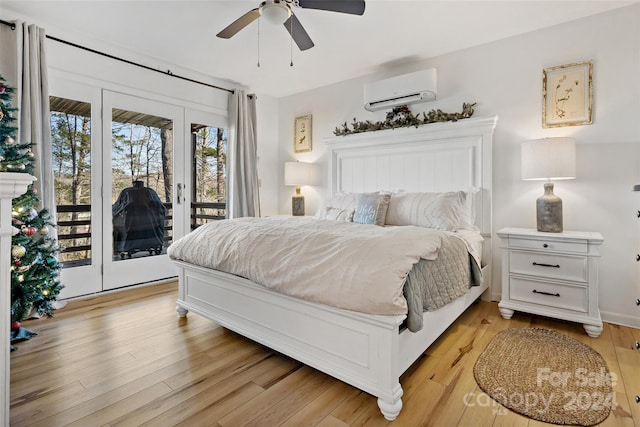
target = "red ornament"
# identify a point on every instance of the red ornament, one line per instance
(17, 262)
(15, 326)
(29, 231)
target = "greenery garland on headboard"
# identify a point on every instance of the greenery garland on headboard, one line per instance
(403, 117)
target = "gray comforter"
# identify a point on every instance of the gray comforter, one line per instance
(433, 284)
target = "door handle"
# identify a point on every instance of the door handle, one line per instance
(179, 195)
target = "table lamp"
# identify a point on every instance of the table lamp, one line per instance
(549, 159)
(298, 173)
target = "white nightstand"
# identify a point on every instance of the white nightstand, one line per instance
(551, 274)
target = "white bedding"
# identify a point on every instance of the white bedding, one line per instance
(358, 267)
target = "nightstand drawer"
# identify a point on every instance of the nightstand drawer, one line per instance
(549, 245)
(552, 266)
(567, 297)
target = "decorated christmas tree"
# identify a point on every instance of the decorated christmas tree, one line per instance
(34, 265)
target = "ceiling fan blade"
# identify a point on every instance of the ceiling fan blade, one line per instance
(239, 24)
(298, 33)
(354, 7)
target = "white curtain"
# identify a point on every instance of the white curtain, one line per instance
(32, 100)
(242, 157)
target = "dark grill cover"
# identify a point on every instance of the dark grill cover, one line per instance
(138, 220)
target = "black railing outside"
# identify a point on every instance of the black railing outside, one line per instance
(204, 212)
(74, 228)
(74, 235)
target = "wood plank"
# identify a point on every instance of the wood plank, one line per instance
(253, 408)
(126, 358)
(629, 362)
(178, 404)
(330, 421)
(219, 408)
(320, 408)
(353, 407)
(622, 336)
(480, 409)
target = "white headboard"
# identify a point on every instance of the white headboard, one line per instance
(435, 157)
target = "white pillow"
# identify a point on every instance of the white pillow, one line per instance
(337, 214)
(344, 201)
(441, 211)
(468, 211)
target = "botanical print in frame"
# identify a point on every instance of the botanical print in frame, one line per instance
(567, 95)
(302, 134)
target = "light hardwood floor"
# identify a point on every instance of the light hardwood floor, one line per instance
(126, 359)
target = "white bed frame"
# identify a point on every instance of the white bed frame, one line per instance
(369, 352)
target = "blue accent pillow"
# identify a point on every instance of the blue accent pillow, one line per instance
(371, 208)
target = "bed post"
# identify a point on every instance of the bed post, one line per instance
(182, 312)
(391, 409)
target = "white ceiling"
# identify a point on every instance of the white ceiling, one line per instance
(183, 32)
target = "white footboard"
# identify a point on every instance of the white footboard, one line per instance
(359, 349)
(367, 351)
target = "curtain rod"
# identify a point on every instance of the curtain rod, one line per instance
(167, 73)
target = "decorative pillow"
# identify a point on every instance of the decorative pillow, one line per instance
(371, 208)
(441, 211)
(338, 214)
(344, 201)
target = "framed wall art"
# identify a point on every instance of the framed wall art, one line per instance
(302, 134)
(567, 95)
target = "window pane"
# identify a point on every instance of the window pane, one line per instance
(142, 147)
(71, 144)
(209, 174)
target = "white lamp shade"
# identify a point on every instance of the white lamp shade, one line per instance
(549, 158)
(299, 173)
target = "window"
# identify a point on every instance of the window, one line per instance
(142, 174)
(209, 174)
(71, 145)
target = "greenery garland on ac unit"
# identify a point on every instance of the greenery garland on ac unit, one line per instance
(403, 117)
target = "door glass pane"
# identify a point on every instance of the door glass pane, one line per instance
(209, 174)
(71, 144)
(142, 147)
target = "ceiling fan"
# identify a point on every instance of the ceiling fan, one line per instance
(281, 12)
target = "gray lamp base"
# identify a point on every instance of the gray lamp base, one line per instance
(549, 211)
(297, 205)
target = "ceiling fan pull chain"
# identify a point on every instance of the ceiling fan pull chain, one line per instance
(291, 41)
(259, 42)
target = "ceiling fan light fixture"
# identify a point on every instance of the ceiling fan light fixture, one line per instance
(275, 13)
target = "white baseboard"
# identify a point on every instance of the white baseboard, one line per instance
(621, 319)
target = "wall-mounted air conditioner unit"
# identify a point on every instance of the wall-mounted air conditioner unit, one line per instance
(406, 89)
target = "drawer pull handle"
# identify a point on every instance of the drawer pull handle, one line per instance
(546, 265)
(637, 257)
(546, 293)
(545, 245)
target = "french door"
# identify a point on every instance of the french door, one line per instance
(119, 165)
(76, 128)
(143, 173)
(131, 176)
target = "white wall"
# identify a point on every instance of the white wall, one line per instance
(267, 112)
(505, 79)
